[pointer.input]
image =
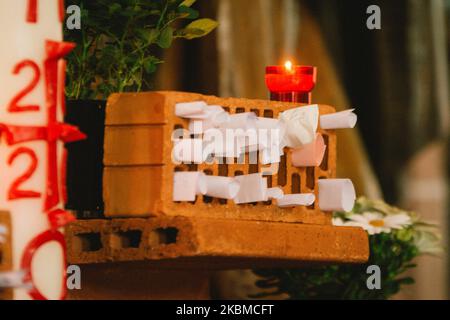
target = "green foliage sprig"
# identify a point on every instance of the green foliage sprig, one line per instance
(119, 43)
(393, 251)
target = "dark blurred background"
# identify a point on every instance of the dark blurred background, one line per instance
(396, 77)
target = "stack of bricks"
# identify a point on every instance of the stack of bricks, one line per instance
(144, 223)
(5, 251)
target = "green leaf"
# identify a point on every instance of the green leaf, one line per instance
(188, 13)
(197, 29)
(114, 7)
(166, 38)
(187, 3)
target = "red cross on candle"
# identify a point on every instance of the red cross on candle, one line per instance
(54, 130)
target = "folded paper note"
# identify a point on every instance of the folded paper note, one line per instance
(189, 151)
(253, 188)
(294, 200)
(191, 110)
(311, 155)
(275, 193)
(300, 125)
(222, 143)
(339, 120)
(221, 187)
(214, 117)
(336, 195)
(187, 185)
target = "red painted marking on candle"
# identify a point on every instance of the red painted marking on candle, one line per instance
(64, 176)
(59, 218)
(55, 51)
(14, 104)
(27, 260)
(62, 131)
(62, 84)
(62, 10)
(32, 11)
(14, 192)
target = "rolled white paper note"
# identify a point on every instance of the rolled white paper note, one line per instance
(295, 200)
(336, 195)
(270, 155)
(189, 151)
(221, 142)
(213, 117)
(301, 125)
(270, 132)
(187, 185)
(221, 187)
(339, 120)
(311, 155)
(14, 279)
(253, 188)
(244, 121)
(275, 193)
(190, 109)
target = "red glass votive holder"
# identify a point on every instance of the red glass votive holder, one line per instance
(291, 84)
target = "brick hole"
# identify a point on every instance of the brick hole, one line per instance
(88, 242)
(226, 109)
(240, 110)
(238, 173)
(268, 113)
(223, 172)
(324, 164)
(295, 184)
(178, 169)
(127, 239)
(193, 167)
(282, 172)
(177, 127)
(310, 177)
(255, 111)
(253, 167)
(163, 236)
(207, 199)
(269, 185)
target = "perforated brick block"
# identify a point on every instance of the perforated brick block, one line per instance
(6, 262)
(138, 175)
(88, 241)
(187, 242)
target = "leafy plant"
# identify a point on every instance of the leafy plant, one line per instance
(120, 41)
(392, 251)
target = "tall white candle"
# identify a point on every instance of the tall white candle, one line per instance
(24, 166)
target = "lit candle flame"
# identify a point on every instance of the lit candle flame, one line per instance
(288, 66)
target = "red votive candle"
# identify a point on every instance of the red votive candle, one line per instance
(290, 83)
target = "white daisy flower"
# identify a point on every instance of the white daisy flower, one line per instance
(375, 222)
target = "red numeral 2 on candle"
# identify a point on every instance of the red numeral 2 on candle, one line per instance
(14, 104)
(14, 192)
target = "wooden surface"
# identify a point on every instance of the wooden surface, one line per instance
(6, 252)
(134, 281)
(183, 242)
(138, 176)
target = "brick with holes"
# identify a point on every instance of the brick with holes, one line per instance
(189, 242)
(138, 175)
